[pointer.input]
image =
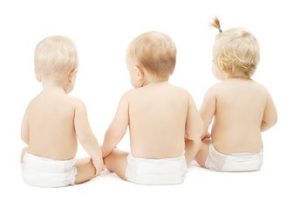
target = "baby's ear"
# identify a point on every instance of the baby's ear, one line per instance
(72, 74)
(140, 72)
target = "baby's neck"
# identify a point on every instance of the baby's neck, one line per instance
(52, 87)
(239, 76)
(154, 80)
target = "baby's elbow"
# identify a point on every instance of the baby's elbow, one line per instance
(274, 118)
(268, 124)
(273, 121)
(25, 138)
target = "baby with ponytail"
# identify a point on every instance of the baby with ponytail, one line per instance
(239, 107)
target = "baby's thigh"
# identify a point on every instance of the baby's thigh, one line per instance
(203, 153)
(117, 163)
(85, 170)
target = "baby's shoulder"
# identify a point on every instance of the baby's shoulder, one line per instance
(239, 84)
(30, 106)
(127, 96)
(130, 93)
(258, 88)
(259, 85)
(74, 102)
(215, 89)
(178, 89)
(179, 92)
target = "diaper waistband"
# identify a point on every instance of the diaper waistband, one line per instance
(239, 155)
(167, 159)
(48, 165)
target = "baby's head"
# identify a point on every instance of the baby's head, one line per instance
(151, 57)
(56, 61)
(235, 52)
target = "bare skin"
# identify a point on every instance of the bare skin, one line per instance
(51, 126)
(241, 109)
(160, 117)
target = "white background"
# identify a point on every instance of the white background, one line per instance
(102, 31)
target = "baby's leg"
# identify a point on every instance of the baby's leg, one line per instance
(117, 162)
(203, 152)
(191, 149)
(85, 170)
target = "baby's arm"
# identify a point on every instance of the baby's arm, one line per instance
(270, 114)
(86, 136)
(193, 131)
(117, 128)
(207, 111)
(25, 129)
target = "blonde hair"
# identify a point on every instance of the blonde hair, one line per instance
(55, 56)
(155, 51)
(236, 51)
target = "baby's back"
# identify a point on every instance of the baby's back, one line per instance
(157, 117)
(240, 106)
(51, 128)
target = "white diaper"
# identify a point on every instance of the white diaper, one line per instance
(156, 171)
(44, 172)
(236, 162)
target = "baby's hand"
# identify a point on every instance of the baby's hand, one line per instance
(98, 164)
(205, 136)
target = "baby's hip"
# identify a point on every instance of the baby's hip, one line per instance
(241, 161)
(45, 172)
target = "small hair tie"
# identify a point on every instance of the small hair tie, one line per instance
(216, 23)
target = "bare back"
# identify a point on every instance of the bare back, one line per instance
(157, 118)
(50, 118)
(239, 111)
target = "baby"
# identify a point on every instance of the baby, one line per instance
(53, 121)
(241, 108)
(160, 117)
